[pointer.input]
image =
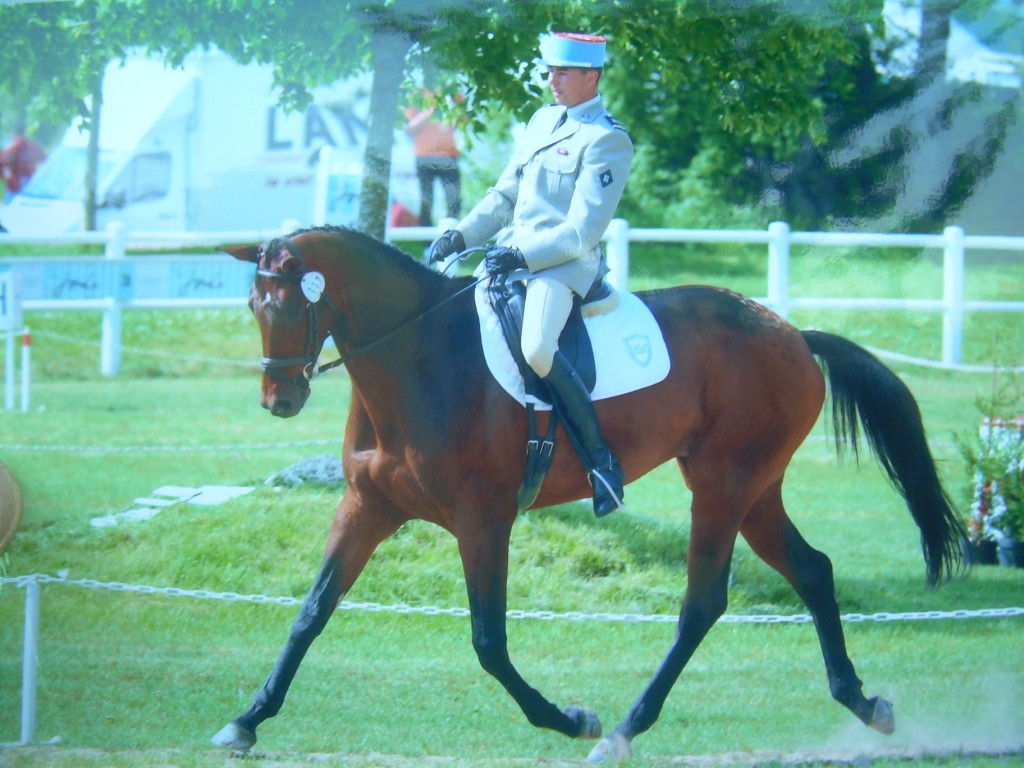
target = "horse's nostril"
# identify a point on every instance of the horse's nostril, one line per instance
(281, 407)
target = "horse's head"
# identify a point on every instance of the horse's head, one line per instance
(288, 301)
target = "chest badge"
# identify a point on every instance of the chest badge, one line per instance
(606, 178)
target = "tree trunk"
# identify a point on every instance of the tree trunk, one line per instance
(931, 57)
(92, 162)
(389, 51)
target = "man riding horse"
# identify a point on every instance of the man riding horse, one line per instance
(549, 209)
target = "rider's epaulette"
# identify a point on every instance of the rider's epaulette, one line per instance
(614, 123)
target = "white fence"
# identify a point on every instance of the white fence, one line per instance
(11, 328)
(123, 276)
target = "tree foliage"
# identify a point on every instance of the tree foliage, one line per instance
(751, 94)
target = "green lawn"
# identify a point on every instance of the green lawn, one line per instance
(131, 679)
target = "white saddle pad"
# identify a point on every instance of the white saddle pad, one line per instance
(629, 349)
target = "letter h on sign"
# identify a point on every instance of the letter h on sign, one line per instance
(10, 302)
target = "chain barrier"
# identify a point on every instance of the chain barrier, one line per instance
(162, 353)
(166, 448)
(577, 616)
(884, 354)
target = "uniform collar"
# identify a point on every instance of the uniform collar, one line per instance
(588, 111)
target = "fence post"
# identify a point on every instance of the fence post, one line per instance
(778, 267)
(617, 235)
(9, 369)
(110, 345)
(26, 367)
(10, 323)
(953, 296)
(30, 663)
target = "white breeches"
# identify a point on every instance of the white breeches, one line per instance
(548, 303)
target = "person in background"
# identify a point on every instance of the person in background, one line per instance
(437, 157)
(549, 210)
(18, 162)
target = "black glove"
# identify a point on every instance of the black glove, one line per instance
(498, 261)
(448, 243)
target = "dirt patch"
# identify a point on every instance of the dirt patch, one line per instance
(58, 757)
(11, 505)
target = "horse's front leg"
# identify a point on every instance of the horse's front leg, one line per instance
(355, 534)
(710, 554)
(484, 552)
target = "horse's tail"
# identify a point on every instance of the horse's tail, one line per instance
(861, 385)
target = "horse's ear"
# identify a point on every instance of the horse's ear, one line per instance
(290, 264)
(243, 252)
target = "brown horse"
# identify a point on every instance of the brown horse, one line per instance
(432, 436)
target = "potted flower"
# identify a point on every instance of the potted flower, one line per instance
(996, 464)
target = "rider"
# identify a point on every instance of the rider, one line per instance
(549, 210)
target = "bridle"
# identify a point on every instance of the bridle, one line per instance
(308, 360)
(271, 365)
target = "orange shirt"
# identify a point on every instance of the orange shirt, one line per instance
(430, 138)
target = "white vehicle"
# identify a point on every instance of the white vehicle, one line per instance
(206, 148)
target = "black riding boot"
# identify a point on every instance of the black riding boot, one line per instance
(577, 410)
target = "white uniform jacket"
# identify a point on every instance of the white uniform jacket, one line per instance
(557, 195)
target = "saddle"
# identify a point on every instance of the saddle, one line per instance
(508, 298)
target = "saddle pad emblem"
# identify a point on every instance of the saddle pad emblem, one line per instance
(639, 349)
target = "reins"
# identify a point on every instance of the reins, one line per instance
(429, 311)
(310, 369)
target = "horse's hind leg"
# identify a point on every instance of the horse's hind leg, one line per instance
(772, 535)
(354, 537)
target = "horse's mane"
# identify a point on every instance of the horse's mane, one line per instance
(389, 255)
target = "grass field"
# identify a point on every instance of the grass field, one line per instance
(130, 679)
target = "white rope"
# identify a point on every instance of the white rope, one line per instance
(151, 352)
(164, 448)
(205, 447)
(882, 353)
(401, 608)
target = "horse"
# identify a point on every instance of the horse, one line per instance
(430, 435)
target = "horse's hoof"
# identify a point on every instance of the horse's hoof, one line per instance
(882, 718)
(610, 750)
(234, 736)
(589, 722)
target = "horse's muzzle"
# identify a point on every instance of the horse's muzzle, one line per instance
(281, 403)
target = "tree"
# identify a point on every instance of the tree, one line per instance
(888, 113)
(53, 56)
(731, 83)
